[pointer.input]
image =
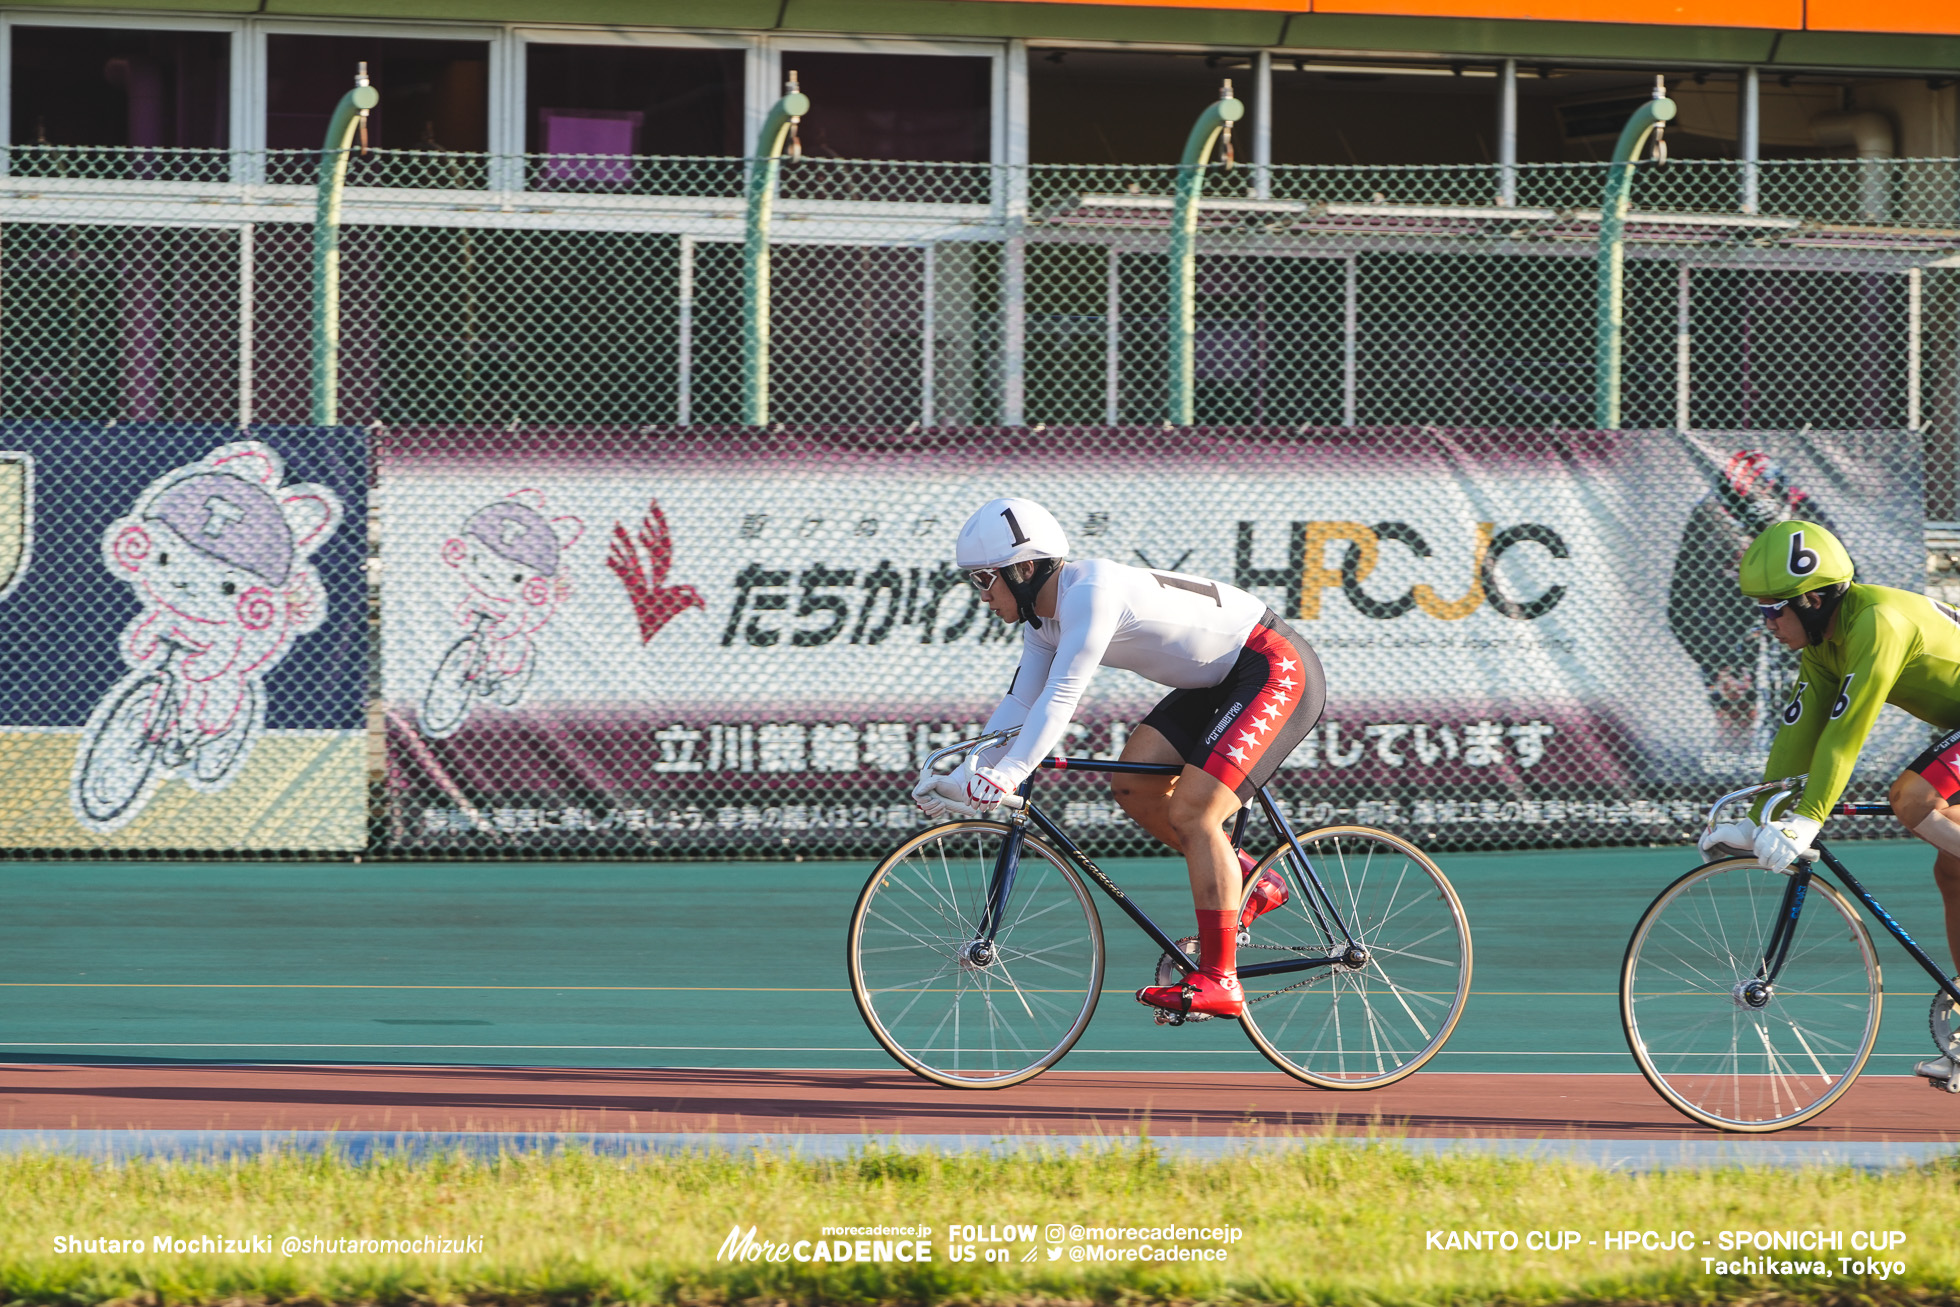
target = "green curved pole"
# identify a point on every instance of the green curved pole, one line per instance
(755, 251)
(1184, 249)
(347, 115)
(1609, 308)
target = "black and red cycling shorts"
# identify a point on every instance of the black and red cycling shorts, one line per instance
(1239, 730)
(1940, 765)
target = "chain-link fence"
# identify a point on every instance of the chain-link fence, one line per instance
(732, 641)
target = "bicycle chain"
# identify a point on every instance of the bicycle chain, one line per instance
(1314, 979)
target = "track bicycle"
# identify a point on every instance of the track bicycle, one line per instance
(976, 952)
(1751, 998)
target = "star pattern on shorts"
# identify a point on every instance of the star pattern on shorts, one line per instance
(1287, 664)
(1236, 755)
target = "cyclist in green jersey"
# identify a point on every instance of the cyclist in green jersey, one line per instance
(1861, 646)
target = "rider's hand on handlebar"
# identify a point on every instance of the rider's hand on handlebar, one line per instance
(986, 787)
(942, 797)
(1779, 842)
(1729, 837)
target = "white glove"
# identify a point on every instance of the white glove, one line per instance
(941, 797)
(1779, 842)
(1729, 837)
(986, 787)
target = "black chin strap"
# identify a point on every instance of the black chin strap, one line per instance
(1024, 592)
(1816, 620)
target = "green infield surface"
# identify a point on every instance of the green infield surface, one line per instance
(736, 964)
(1326, 1224)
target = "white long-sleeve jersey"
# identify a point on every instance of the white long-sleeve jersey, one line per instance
(1180, 631)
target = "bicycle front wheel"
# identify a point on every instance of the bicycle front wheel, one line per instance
(1368, 1022)
(118, 761)
(952, 1005)
(1711, 1037)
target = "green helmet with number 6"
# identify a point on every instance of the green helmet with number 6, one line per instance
(1793, 558)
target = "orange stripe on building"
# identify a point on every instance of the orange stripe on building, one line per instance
(1931, 17)
(1786, 14)
(1940, 17)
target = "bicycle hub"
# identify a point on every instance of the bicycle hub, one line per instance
(977, 954)
(1751, 994)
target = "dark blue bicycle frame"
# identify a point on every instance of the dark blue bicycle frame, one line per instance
(1318, 901)
(1778, 949)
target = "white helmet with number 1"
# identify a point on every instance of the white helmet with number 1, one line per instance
(1003, 531)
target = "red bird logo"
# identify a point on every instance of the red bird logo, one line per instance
(654, 601)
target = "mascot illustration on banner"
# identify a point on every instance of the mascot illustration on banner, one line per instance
(511, 560)
(217, 554)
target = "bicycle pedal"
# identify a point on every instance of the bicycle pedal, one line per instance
(1180, 1018)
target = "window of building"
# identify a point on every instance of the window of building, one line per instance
(434, 96)
(922, 108)
(1327, 113)
(104, 86)
(590, 109)
(1124, 107)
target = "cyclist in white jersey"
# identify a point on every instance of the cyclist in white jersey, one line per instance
(1245, 690)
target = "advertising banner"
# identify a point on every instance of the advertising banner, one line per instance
(621, 641)
(183, 645)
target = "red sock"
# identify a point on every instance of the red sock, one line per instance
(1218, 942)
(1246, 863)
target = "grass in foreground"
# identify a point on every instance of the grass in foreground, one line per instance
(1331, 1223)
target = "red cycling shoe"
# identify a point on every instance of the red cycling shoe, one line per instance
(1270, 892)
(1198, 994)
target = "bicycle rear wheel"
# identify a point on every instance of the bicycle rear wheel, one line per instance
(1715, 1044)
(1365, 1025)
(954, 1008)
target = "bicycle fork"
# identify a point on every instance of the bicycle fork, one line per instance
(1756, 992)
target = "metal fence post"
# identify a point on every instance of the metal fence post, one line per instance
(1610, 303)
(350, 113)
(247, 324)
(776, 130)
(1217, 117)
(1507, 134)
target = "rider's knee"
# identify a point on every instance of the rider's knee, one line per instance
(1190, 820)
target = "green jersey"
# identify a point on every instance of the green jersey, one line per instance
(1886, 646)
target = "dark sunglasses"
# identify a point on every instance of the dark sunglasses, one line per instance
(1771, 612)
(983, 577)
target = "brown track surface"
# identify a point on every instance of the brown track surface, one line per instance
(170, 1097)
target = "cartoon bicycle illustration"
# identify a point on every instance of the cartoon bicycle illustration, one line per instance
(217, 555)
(510, 558)
(146, 735)
(467, 672)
